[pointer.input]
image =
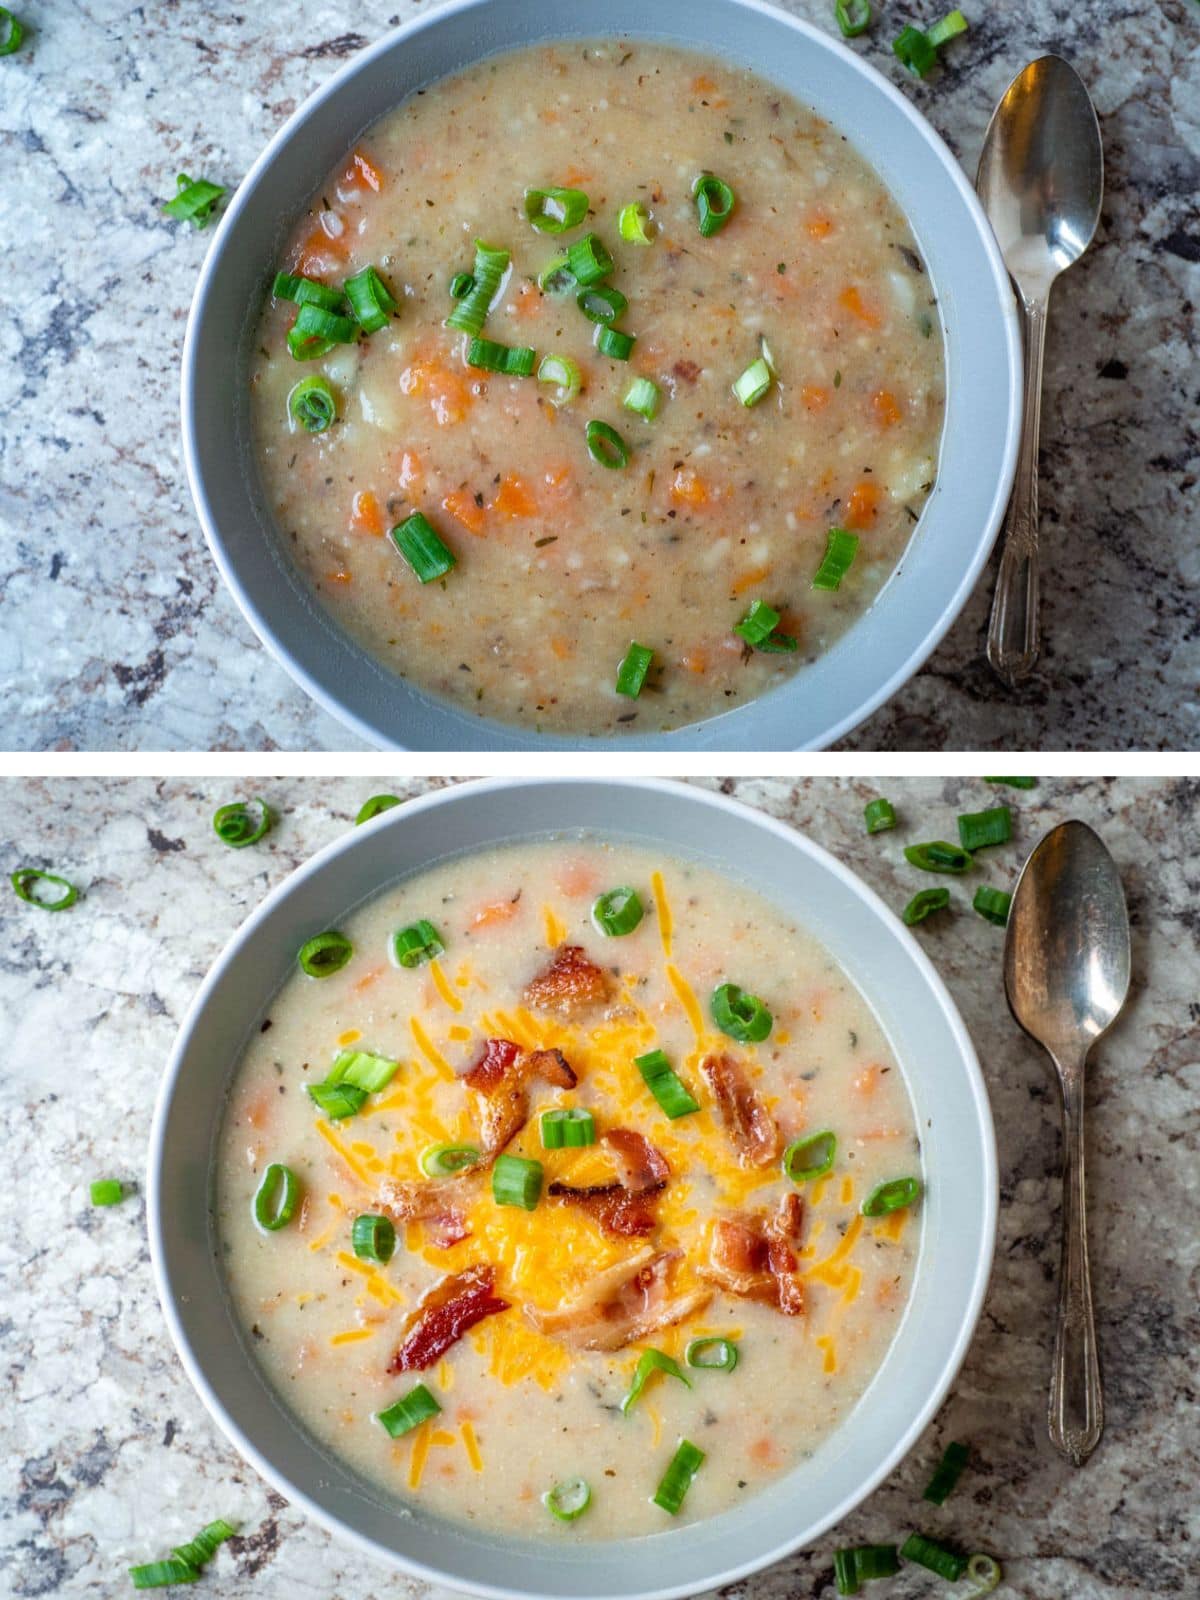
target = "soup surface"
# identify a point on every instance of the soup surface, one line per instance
(562, 561)
(660, 1232)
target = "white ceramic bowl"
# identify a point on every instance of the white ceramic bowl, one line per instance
(886, 646)
(958, 1216)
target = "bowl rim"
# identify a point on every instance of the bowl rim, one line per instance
(497, 734)
(434, 799)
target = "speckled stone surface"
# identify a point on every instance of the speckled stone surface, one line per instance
(118, 633)
(106, 1455)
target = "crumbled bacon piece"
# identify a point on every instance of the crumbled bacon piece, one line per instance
(500, 1078)
(572, 983)
(687, 370)
(440, 1203)
(623, 1208)
(641, 1167)
(754, 1257)
(443, 1315)
(747, 1121)
(499, 1055)
(627, 1303)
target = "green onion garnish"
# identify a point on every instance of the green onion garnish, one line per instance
(422, 548)
(862, 1563)
(461, 285)
(23, 880)
(375, 806)
(939, 1558)
(740, 1015)
(712, 1355)
(895, 1195)
(515, 361)
(324, 954)
(631, 674)
(409, 1412)
(363, 1070)
(853, 17)
(448, 1160)
(416, 944)
(337, 1100)
(1013, 783)
(556, 277)
(984, 1573)
(758, 627)
(642, 397)
(677, 1479)
(517, 1182)
(567, 1128)
(107, 1192)
(198, 1552)
(714, 203)
(162, 1574)
(315, 332)
(840, 550)
(277, 1197)
(613, 343)
(880, 815)
(11, 32)
(617, 912)
(753, 383)
(938, 856)
(810, 1157)
(923, 904)
(915, 51)
(606, 445)
(631, 223)
(306, 291)
(951, 25)
(564, 374)
(992, 904)
(665, 1084)
(373, 1238)
(555, 210)
(470, 313)
(588, 261)
(195, 201)
(949, 1470)
(313, 404)
(568, 1500)
(650, 1362)
(978, 829)
(234, 825)
(371, 301)
(601, 303)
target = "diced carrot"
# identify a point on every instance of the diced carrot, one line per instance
(819, 225)
(321, 255)
(762, 1451)
(862, 506)
(513, 498)
(562, 648)
(867, 1081)
(495, 911)
(575, 178)
(887, 411)
(703, 84)
(368, 978)
(576, 878)
(463, 507)
(688, 488)
(749, 579)
(851, 300)
(365, 515)
(448, 395)
(813, 397)
(695, 660)
(411, 471)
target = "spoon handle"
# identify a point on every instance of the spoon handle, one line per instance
(1076, 1413)
(1013, 638)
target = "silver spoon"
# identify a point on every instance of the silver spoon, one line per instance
(1041, 179)
(1066, 974)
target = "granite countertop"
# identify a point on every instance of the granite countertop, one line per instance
(109, 1457)
(119, 634)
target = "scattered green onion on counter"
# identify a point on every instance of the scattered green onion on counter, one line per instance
(923, 904)
(375, 806)
(993, 905)
(947, 1473)
(24, 879)
(107, 1192)
(979, 829)
(880, 815)
(938, 856)
(196, 198)
(235, 825)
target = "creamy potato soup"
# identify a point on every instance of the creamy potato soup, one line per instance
(649, 479)
(566, 1232)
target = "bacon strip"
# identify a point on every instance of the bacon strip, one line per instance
(750, 1126)
(623, 1208)
(443, 1315)
(440, 1203)
(572, 983)
(754, 1257)
(641, 1166)
(627, 1303)
(500, 1080)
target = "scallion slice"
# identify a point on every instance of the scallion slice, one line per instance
(1013, 783)
(631, 674)
(556, 277)
(617, 912)
(461, 285)
(613, 343)
(601, 302)
(631, 223)
(642, 397)
(277, 1197)
(517, 1182)
(951, 25)
(993, 905)
(162, 1574)
(588, 261)
(371, 301)
(852, 16)
(939, 1558)
(938, 856)
(375, 806)
(880, 815)
(235, 826)
(470, 313)
(606, 445)
(979, 829)
(740, 1015)
(677, 1480)
(315, 332)
(313, 405)
(665, 1084)
(923, 904)
(11, 32)
(861, 1563)
(416, 944)
(810, 1157)
(337, 1100)
(107, 1192)
(198, 1552)
(841, 547)
(23, 880)
(422, 548)
(306, 291)
(758, 627)
(754, 383)
(195, 201)
(409, 1412)
(373, 1238)
(568, 1128)
(715, 201)
(555, 210)
(448, 1160)
(947, 1473)
(515, 361)
(363, 1069)
(984, 1573)
(568, 1500)
(895, 1195)
(324, 954)
(914, 50)
(712, 1355)
(650, 1362)
(564, 374)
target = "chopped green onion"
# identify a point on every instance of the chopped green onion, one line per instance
(306, 291)
(753, 383)
(337, 1100)
(568, 1500)
(555, 210)
(601, 303)
(938, 856)
(613, 343)
(556, 277)
(422, 548)
(373, 1238)
(448, 1160)
(631, 223)
(948, 28)
(162, 1574)
(588, 261)
(642, 397)
(665, 1084)
(409, 1412)
(568, 1128)
(194, 202)
(198, 1552)
(1013, 783)
(606, 445)
(313, 404)
(564, 373)
(107, 1192)
(993, 905)
(853, 17)
(895, 1195)
(363, 1070)
(861, 1563)
(617, 912)
(315, 332)
(939, 1558)
(712, 1355)
(923, 904)
(650, 1362)
(515, 361)
(758, 627)
(371, 301)
(416, 944)
(23, 880)
(375, 806)
(947, 1473)
(740, 1015)
(984, 1573)
(840, 550)
(677, 1479)
(517, 1182)
(470, 314)
(461, 285)
(810, 1157)
(979, 829)
(234, 825)
(325, 954)
(631, 674)
(11, 32)
(880, 815)
(714, 203)
(277, 1197)
(915, 51)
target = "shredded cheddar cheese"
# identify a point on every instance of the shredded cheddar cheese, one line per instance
(352, 1336)
(825, 1345)
(443, 986)
(422, 1439)
(662, 907)
(471, 1446)
(556, 931)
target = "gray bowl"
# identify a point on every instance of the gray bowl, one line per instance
(929, 588)
(958, 1216)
